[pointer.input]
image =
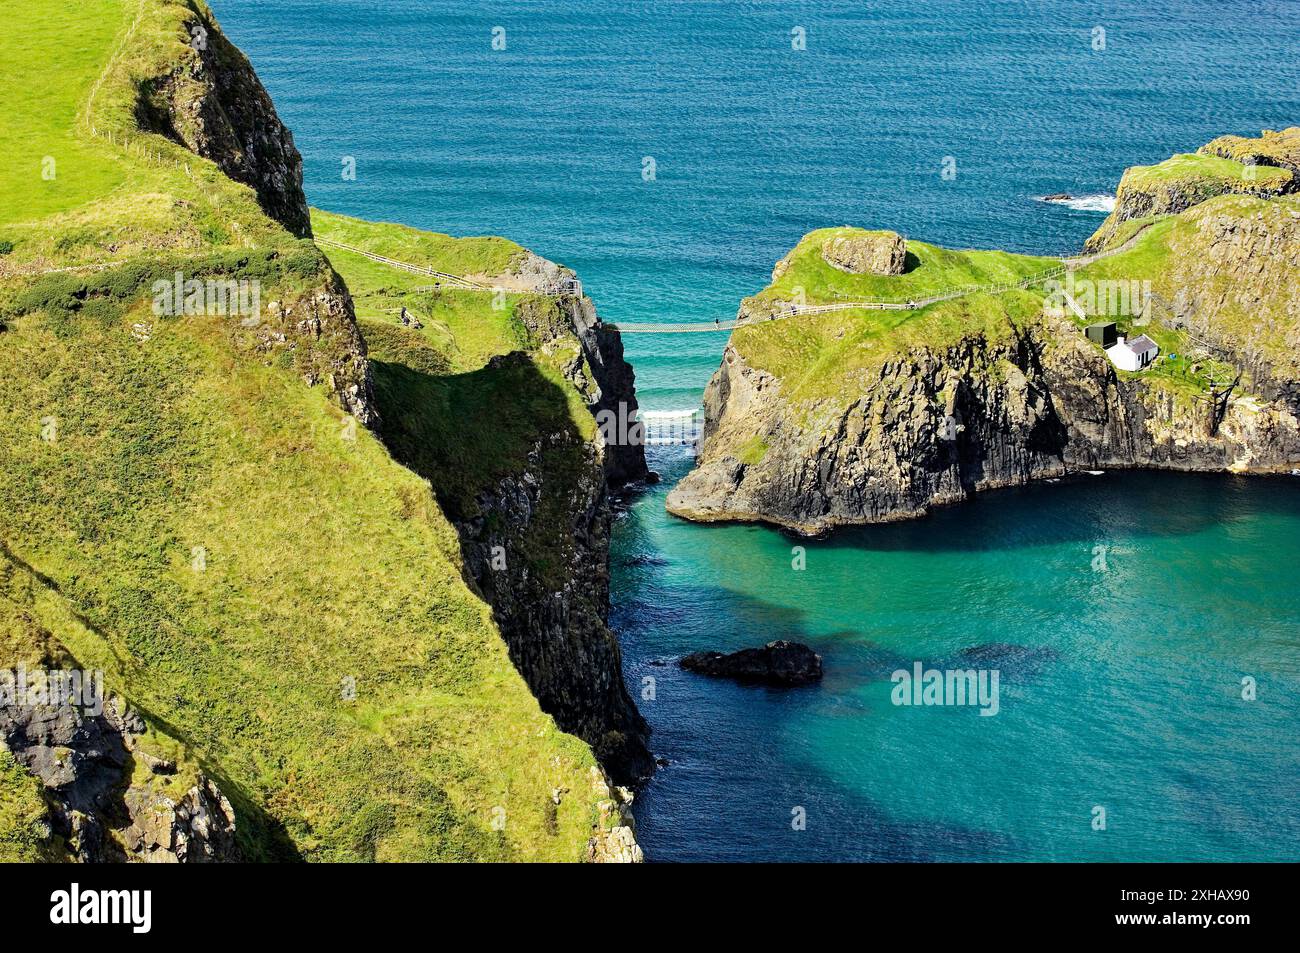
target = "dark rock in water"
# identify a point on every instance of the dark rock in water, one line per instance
(1058, 197)
(777, 663)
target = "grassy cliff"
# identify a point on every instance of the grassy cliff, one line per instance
(823, 354)
(188, 502)
(1230, 165)
(489, 394)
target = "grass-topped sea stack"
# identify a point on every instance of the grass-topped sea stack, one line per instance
(854, 394)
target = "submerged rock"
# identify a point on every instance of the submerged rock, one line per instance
(777, 663)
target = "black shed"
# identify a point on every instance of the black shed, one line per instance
(1103, 334)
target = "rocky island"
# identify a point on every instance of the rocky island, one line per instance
(971, 369)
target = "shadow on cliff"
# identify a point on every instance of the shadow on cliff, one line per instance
(508, 453)
(465, 432)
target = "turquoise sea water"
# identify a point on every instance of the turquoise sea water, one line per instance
(1120, 687)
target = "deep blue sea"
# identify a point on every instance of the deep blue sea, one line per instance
(1121, 687)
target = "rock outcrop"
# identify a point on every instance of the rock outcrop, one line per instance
(212, 102)
(556, 625)
(1230, 165)
(868, 253)
(1271, 148)
(101, 805)
(777, 663)
(319, 328)
(614, 841)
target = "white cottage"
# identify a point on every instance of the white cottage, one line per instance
(1133, 355)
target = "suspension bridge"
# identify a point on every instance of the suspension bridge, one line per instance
(572, 286)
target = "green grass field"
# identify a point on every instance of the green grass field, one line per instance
(70, 196)
(483, 255)
(930, 270)
(465, 327)
(325, 559)
(1213, 174)
(1247, 309)
(49, 63)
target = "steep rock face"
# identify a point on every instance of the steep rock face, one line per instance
(213, 103)
(936, 427)
(319, 328)
(98, 806)
(1129, 423)
(609, 383)
(1236, 289)
(556, 624)
(930, 429)
(556, 513)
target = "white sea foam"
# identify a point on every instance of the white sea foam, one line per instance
(1105, 204)
(662, 414)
